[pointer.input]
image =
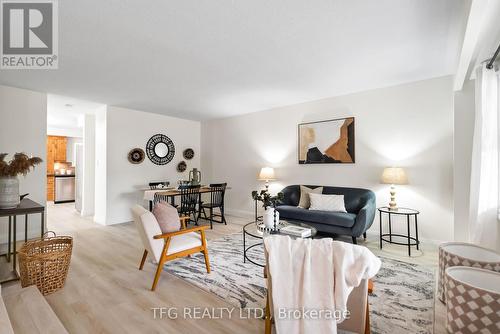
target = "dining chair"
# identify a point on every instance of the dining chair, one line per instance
(217, 192)
(163, 247)
(190, 199)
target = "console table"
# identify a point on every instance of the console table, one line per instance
(26, 208)
(403, 212)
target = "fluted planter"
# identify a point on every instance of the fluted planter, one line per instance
(9, 192)
(269, 217)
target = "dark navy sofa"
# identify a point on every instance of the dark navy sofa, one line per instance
(359, 203)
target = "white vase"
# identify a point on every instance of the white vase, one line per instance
(268, 217)
(9, 192)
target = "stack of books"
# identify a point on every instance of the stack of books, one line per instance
(296, 231)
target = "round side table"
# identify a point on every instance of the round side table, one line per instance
(453, 254)
(411, 241)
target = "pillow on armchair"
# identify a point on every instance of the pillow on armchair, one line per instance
(167, 217)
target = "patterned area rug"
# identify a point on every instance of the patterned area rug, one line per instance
(403, 300)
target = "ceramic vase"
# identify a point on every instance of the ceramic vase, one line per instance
(268, 217)
(9, 192)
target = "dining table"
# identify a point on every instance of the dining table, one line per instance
(171, 193)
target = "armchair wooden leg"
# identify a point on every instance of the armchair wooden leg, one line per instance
(205, 251)
(144, 256)
(267, 317)
(160, 265)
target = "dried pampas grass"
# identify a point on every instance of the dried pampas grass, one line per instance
(20, 164)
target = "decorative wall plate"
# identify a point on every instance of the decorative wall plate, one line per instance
(181, 166)
(160, 149)
(188, 154)
(136, 155)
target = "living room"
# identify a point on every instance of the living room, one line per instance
(373, 126)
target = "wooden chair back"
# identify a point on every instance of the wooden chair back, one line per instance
(190, 195)
(217, 192)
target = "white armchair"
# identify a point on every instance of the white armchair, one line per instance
(167, 246)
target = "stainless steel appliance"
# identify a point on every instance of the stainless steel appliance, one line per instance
(64, 189)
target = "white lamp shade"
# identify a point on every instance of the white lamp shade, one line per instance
(394, 175)
(267, 174)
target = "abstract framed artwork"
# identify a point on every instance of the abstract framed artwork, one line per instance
(325, 142)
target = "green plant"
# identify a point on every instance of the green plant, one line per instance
(20, 164)
(266, 198)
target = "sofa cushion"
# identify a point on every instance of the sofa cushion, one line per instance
(320, 217)
(305, 201)
(334, 203)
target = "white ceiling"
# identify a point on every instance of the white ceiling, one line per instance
(207, 59)
(67, 113)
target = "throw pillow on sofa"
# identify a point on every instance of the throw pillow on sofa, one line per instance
(327, 202)
(167, 217)
(304, 201)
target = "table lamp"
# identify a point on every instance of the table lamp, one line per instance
(267, 174)
(393, 176)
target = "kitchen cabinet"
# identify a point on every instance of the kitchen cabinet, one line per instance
(56, 152)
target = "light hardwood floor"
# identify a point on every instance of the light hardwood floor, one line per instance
(106, 293)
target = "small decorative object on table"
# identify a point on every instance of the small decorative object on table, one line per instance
(45, 262)
(261, 226)
(194, 176)
(9, 183)
(297, 231)
(271, 217)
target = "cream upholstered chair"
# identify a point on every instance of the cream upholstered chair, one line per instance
(168, 246)
(357, 304)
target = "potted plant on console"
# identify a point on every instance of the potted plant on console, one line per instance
(271, 216)
(9, 182)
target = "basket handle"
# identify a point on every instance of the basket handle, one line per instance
(46, 234)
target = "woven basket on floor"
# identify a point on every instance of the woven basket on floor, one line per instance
(45, 262)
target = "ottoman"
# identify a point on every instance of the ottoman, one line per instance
(453, 254)
(472, 300)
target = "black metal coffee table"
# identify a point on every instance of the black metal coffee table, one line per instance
(253, 231)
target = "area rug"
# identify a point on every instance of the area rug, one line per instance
(403, 300)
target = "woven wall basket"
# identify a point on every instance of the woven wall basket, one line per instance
(45, 262)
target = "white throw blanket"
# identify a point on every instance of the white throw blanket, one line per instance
(312, 279)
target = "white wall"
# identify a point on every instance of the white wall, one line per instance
(64, 132)
(100, 165)
(23, 126)
(89, 163)
(70, 148)
(409, 125)
(127, 129)
(464, 129)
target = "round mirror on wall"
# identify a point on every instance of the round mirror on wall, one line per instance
(160, 149)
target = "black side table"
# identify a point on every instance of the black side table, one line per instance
(403, 212)
(26, 207)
